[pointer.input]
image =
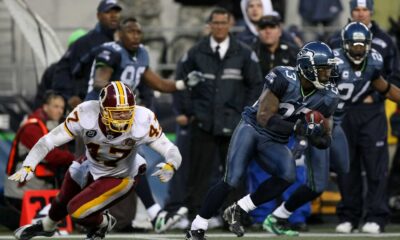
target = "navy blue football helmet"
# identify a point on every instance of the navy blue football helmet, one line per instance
(315, 62)
(356, 41)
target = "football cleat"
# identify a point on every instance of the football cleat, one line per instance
(278, 226)
(345, 227)
(195, 234)
(32, 230)
(165, 220)
(232, 216)
(99, 233)
(371, 227)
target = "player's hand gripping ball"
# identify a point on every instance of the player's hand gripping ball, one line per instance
(315, 123)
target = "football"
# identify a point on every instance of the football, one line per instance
(317, 118)
(314, 117)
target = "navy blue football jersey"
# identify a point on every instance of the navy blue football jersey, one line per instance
(353, 85)
(285, 84)
(128, 67)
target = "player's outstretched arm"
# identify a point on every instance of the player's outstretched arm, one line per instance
(172, 156)
(154, 81)
(55, 138)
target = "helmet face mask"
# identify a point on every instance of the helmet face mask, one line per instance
(316, 62)
(117, 107)
(356, 41)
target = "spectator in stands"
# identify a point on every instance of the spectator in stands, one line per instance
(373, 150)
(270, 48)
(46, 83)
(232, 80)
(73, 72)
(252, 11)
(39, 123)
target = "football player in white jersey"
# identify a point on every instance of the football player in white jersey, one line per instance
(112, 129)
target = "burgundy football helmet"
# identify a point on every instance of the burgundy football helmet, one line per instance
(117, 106)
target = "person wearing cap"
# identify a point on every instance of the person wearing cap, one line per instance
(270, 47)
(373, 151)
(73, 76)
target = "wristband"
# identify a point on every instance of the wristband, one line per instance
(180, 85)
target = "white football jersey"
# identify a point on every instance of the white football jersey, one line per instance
(109, 156)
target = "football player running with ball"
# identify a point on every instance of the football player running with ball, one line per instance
(263, 133)
(359, 69)
(112, 128)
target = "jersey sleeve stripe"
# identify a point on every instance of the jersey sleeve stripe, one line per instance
(67, 130)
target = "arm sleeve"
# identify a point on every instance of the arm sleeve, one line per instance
(276, 83)
(57, 137)
(31, 135)
(168, 150)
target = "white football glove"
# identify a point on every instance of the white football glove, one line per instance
(194, 78)
(22, 175)
(165, 173)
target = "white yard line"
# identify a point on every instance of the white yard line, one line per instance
(214, 235)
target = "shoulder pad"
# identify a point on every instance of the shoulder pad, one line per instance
(286, 72)
(88, 113)
(141, 122)
(376, 56)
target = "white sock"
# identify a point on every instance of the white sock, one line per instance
(199, 223)
(282, 212)
(153, 210)
(48, 224)
(246, 203)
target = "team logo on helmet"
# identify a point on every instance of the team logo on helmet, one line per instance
(356, 41)
(313, 58)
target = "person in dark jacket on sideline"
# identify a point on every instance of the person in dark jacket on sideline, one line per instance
(232, 81)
